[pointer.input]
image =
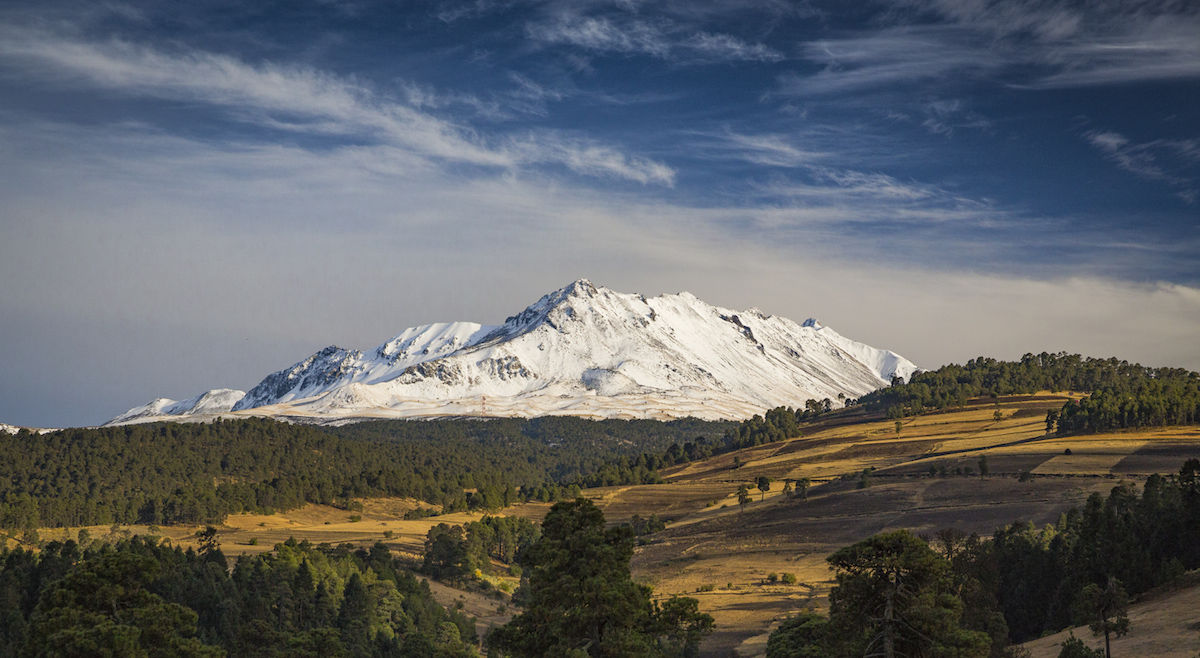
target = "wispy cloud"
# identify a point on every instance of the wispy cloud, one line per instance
(944, 116)
(1160, 49)
(308, 100)
(848, 197)
(451, 11)
(726, 47)
(898, 55)
(767, 149)
(661, 38)
(1033, 44)
(814, 184)
(588, 157)
(525, 97)
(1157, 160)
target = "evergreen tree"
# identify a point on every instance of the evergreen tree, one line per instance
(581, 600)
(763, 484)
(1104, 610)
(104, 608)
(894, 597)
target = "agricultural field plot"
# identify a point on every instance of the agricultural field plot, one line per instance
(671, 501)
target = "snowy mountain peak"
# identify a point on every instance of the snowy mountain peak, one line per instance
(216, 401)
(580, 350)
(563, 303)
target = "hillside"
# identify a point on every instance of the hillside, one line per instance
(583, 350)
(723, 554)
(1162, 624)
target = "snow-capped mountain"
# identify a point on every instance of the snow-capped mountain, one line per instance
(582, 350)
(14, 429)
(215, 401)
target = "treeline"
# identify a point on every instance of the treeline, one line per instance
(952, 385)
(1173, 398)
(188, 473)
(961, 595)
(140, 597)
(1122, 394)
(544, 459)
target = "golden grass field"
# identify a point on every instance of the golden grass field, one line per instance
(721, 554)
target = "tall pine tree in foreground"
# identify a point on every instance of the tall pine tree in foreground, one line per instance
(580, 599)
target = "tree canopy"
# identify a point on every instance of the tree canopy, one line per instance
(138, 597)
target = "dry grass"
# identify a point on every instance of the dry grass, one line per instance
(1165, 626)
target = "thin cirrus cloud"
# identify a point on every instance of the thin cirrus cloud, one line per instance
(888, 57)
(1160, 50)
(846, 197)
(312, 101)
(765, 149)
(1155, 160)
(1034, 45)
(662, 39)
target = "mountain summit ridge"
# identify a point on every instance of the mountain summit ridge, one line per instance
(582, 350)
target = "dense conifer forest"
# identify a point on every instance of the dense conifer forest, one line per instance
(139, 597)
(188, 473)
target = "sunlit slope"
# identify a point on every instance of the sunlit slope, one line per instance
(722, 553)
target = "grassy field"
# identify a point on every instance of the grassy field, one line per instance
(723, 554)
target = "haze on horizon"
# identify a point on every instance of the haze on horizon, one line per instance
(194, 196)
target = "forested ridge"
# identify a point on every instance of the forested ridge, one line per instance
(1121, 394)
(187, 473)
(139, 597)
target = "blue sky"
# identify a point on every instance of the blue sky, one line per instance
(195, 194)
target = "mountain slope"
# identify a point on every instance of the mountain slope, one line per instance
(581, 350)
